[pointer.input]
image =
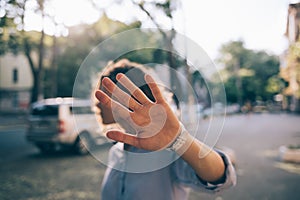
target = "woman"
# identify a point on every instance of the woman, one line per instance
(128, 96)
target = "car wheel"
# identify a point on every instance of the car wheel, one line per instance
(83, 143)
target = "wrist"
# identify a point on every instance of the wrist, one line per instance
(182, 142)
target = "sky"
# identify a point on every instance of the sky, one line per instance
(259, 23)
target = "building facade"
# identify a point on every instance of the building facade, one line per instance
(15, 83)
(290, 62)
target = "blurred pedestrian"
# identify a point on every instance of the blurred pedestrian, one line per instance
(129, 96)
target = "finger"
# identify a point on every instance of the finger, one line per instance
(122, 97)
(154, 89)
(106, 101)
(123, 137)
(102, 97)
(133, 89)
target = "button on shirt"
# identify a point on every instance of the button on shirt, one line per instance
(171, 182)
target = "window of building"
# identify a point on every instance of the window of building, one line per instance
(15, 76)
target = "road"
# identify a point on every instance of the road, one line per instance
(255, 139)
(13, 144)
(28, 175)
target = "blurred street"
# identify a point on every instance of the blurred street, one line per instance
(255, 138)
(209, 57)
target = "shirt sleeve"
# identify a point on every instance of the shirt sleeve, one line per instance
(185, 175)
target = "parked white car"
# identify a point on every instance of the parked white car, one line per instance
(63, 122)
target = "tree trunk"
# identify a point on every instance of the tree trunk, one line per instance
(34, 89)
(36, 71)
(54, 68)
(40, 66)
(238, 84)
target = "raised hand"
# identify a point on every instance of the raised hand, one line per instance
(149, 125)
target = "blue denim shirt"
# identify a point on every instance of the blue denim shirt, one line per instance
(171, 182)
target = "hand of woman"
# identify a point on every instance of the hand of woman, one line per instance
(149, 125)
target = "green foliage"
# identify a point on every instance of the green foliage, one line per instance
(250, 74)
(73, 49)
(8, 37)
(68, 65)
(16, 40)
(231, 90)
(73, 54)
(275, 84)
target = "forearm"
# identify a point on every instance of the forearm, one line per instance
(207, 163)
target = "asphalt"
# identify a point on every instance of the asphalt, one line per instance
(255, 139)
(8, 121)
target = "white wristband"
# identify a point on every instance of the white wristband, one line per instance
(182, 141)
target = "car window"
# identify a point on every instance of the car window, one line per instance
(81, 110)
(45, 110)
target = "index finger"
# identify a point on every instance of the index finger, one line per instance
(106, 101)
(154, 89)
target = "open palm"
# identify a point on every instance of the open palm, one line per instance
(149, 125)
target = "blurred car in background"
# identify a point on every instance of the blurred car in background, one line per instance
(63, 123)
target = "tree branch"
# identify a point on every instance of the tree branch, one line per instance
(141, 6)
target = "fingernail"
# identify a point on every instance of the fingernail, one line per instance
(119, 76)
(106, 81)
(98, 95)
(148, 78)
